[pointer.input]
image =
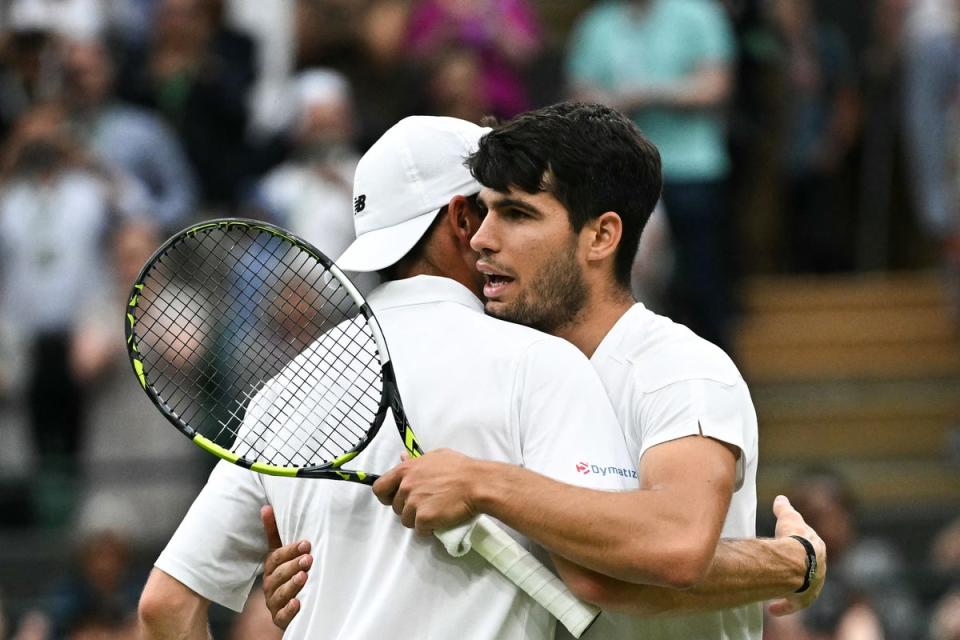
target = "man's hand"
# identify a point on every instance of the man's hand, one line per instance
(791, 523)
(284, 571)
(434, 491)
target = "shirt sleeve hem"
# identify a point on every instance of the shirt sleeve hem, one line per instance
(195, 582)
(697, 430)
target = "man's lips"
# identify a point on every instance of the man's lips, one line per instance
(496, 280)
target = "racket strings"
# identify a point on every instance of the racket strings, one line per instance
(351, 428)
(179, 307)
(251, 341)
(233, 413)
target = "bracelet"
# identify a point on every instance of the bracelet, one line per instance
(811, 572)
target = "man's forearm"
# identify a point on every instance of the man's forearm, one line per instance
(769, 567)
(644, 536)
(742, 572)
(707, 89)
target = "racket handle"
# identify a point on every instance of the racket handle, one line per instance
(498, 548)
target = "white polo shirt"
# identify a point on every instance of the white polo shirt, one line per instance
(488, 388)
(665, 383)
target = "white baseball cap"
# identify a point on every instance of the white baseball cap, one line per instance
(401, 184)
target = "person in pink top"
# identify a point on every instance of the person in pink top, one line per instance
(504, 35)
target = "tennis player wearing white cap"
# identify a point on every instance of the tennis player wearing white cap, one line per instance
(569, 189)
(468, 381)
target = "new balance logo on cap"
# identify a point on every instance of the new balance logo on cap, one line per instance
(359, 203)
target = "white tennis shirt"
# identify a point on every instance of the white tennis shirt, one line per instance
(488, 388)
(665, 383)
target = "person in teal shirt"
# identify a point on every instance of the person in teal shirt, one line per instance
(668, 64)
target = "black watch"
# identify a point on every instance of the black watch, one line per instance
(811, 572)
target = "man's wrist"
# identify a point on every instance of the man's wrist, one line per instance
(792, 563)
(810, 563)
(488, 484)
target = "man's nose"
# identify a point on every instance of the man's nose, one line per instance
(484, 240)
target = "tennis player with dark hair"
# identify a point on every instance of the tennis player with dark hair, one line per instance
(567, 192)
(484, 386)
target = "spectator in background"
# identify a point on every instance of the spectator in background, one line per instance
(945, 552)
(326, 31)
(503, 35)
(198, 73)
(455, 89)
(134, 140)
(54, 209)
(945, 621)
(311, 194)
(931, 88)
(92, 600)
(65, 18)
(866, 595)
(30, 67)
(129, 448)
(667, 63)
(821, 111)
(387, 86)
(98, 599)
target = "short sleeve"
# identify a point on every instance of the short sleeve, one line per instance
(714, 36)
(699, 407)
(568, 431)
(218, 549)
(588, 61)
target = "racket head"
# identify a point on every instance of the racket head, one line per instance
(235, 316)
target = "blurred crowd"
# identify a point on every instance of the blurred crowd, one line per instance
(794, 140)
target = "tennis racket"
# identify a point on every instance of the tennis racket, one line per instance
(258, 348)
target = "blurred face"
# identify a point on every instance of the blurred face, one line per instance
(105, 562)
(88, 73)
(530, 259)
(791, 15)
(181, 21)
(825, 513)
(40, 142)
(456, 88)
(384, 31)
(326, 123)
(133, 246)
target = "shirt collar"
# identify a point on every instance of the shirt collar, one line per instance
(610, 345)
(422, 290)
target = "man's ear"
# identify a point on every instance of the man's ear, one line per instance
(602, 236)
(463, 220)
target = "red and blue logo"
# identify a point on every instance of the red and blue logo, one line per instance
(586, 468)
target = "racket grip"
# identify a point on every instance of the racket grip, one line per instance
(520, 566)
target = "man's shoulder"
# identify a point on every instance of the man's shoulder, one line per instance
(662, 352)
(518, 339)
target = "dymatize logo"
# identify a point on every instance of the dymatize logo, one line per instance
(586, 468)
